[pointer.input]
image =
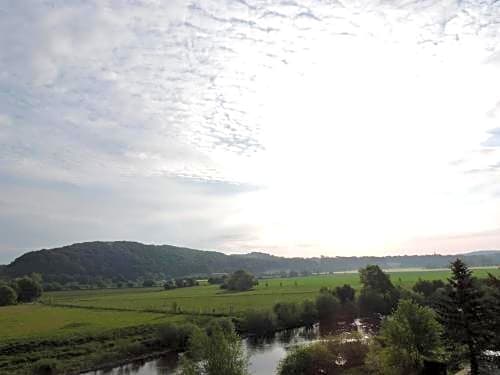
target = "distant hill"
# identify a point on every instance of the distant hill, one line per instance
(85, 262)
(484, 252)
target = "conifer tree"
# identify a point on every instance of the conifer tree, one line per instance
(463, 314)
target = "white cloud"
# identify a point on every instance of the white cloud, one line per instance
(250, 124)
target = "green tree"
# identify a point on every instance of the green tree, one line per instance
(464, 315)
(260, 322)
(218, 351)
(372, 303)
(241, 281)
(323, 358)
(374, 278)
(175, 337)
(28, 289)
(327, 305)
(427, 287)
(493, 306)
(309, 313)
(378, 295)
(8, 296)
(410, 335)
(345, 293)
(287, 314)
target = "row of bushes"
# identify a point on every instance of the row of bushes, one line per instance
(286, 315)
(169, 284)
(180, 283)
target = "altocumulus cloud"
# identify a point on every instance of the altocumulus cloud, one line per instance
(185, 121)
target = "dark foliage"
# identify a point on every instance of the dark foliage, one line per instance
(217, 280)
(378, 295)
(288, 315)
(428, 287)
(28, 289)
(327, 305)
(345, 293)
(309, 313)
(8, 296)
(462, 310)
(175, 337)
(323, 358)
(261, 323)
(52, 287)
(45, 367)
(240, 281)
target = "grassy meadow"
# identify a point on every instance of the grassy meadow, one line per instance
(41, 321)
(210, 299)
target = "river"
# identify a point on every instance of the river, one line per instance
(264, 354)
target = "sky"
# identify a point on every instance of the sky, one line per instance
(298, 128)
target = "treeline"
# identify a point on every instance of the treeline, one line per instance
(91, 263)
(178, 283)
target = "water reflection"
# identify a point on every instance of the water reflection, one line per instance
(264, 353)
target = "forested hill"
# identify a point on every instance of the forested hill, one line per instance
(132, 260)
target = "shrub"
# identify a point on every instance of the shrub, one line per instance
(345, 293)
(240, 281)
(45, 367)
(226, 325)
(372, 303)
(323, 358)
(8, 296)
(259, 322)
(168, 335)
(427, 287)
(287, 314)
(169, 285)
(327, 305)
(309, 313)
(175, 337)
(218, 353)
(217, 280)
(28, 289)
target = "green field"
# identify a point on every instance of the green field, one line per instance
(89, 311)
(39, 321)
(210, 299)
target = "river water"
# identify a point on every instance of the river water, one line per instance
(264, 353)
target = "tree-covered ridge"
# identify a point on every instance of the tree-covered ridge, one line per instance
(132, 260)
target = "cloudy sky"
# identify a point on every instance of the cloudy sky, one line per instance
(346, 127)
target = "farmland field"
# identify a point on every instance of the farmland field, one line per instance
(89, 311)
(39, 321)
(210, 299)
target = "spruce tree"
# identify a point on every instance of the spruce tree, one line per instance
(463, 314)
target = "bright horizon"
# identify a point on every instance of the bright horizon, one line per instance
(294, 128)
